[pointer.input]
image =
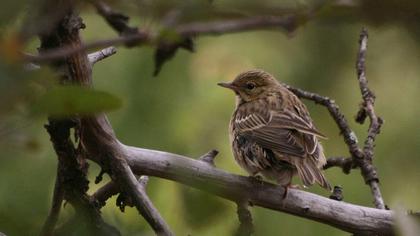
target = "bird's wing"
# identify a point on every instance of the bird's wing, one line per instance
(281, 131)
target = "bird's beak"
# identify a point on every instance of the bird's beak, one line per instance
(227, 85)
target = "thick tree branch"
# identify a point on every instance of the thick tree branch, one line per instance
(119, 170)
(352, 218)
(79, 71)
(71, 178)
(71, 182)
(198, 174)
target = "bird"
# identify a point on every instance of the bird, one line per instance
(272, 134)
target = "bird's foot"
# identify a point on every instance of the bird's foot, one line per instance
(256, 177)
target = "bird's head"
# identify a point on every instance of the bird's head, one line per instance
(252, 84)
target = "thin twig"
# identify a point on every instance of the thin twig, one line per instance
(360, 158)
(287, 22)
(65, 51)
(367, 109)
(137, 193)
(111, 188)
(79, 72)
(57, 200)
(105, 192)
(345, 163)
(117, 20)
(246, 226)
(349, 136)
(101, 54)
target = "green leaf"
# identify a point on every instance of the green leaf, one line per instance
(71, 100)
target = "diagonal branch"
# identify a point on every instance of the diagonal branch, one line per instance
(128, 182)
(71, 183)
(57, 201)
(117, 20)
(349, 136)
(79, 72)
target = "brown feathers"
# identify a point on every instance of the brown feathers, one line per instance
(272, 133)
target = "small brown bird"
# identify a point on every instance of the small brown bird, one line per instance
(271, 132)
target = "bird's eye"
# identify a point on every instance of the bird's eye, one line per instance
(250, 86)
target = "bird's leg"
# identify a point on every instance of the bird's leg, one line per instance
(286, 188)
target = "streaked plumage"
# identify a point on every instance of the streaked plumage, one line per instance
(271, 132)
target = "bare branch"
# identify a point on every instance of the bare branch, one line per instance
(57, 200)
(138, 38)
(31, 67)
(368, 170)
(117, 20)
(287, 22)
(137, 193)
(102, 54)
(79, 71)
(111, 188)
(105, 192)
(246, 226)
(360, 158)
(348, 217)
(200, 175)
(124, 162)
(345, 163)
(65, 51)
(349, 136)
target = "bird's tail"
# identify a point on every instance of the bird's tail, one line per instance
(310, 173)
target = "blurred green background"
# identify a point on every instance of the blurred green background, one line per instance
(183, 111)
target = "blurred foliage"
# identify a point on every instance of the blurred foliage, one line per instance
(69, 100)
(183, 111)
